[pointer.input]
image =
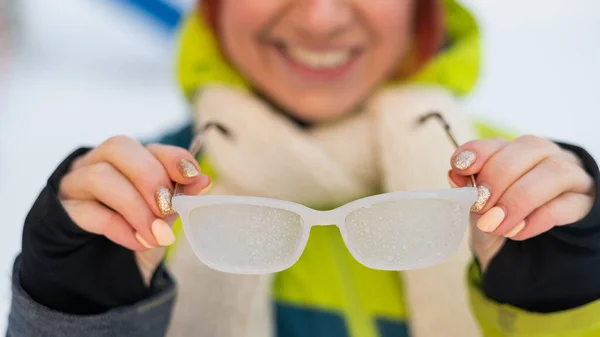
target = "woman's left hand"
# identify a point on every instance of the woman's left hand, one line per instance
(526, 187)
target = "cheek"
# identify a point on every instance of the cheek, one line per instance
(390, 23)
(241, 22)
(243, 14)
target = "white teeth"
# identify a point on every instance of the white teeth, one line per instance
(319, 60)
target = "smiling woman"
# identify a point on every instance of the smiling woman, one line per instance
(326, 104)
(319, 59)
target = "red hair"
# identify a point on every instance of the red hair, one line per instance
(210, 10)
(428, 35)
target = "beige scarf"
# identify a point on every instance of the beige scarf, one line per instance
(377, 150)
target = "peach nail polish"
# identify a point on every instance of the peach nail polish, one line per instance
(163, 233)
(491, 219)
(464, 160)
(515, 230)
(142, 241)
(207, 188)
(451, 182)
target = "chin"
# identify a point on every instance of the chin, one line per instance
(317, 115)
(324, 111)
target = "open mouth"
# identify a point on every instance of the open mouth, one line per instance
(325, 62)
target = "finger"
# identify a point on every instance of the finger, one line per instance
(566, 209)
(573, 158)
(197, 187)
(549, 179)
(508, 164)
(456, 180)
(139, 166)
(93, 217)
(104, 183)
(181, 166)
(469, 158)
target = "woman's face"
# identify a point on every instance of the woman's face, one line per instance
(318, 59)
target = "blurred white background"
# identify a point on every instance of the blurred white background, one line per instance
(83, 70)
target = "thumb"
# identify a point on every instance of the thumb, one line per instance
(150, 259)
(484, 246)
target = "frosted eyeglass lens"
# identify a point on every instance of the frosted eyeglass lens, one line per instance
(245, 238)
(406, 234)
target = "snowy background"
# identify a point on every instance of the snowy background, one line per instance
(83, 70)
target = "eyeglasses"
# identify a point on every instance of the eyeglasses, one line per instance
(391, 231)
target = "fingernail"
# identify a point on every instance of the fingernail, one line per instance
(187, 169)
(163, 200)
(142, 241)
(451, 182)
(464, 160)
(163, 233)
(208, 187)
(491, 219)
(515, 230)
(483, 195)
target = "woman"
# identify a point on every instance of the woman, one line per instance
(322, 97)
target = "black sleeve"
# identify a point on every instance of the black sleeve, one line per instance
(555, 271)
(69, 270)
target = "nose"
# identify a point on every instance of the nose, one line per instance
(323, 19)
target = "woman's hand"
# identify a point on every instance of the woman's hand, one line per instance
(122, 190)
(526, 187)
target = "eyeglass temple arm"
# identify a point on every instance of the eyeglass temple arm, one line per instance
(448, 130)
(198, 142)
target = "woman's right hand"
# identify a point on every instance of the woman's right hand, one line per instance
(122, 190)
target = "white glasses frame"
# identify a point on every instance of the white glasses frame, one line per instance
(184, 205)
